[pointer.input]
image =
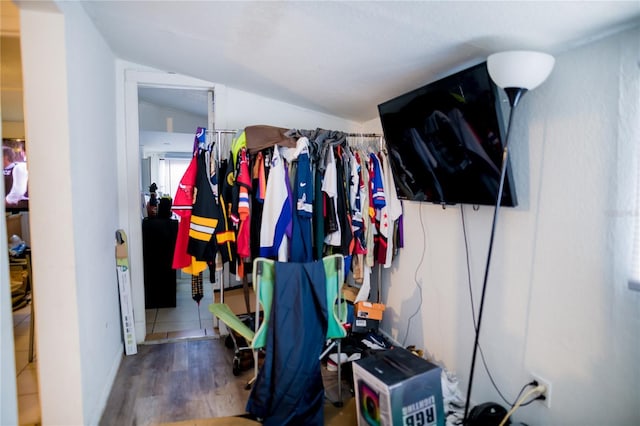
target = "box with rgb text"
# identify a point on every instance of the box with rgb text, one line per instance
(395, 387)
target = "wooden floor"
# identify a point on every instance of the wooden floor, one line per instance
(187, 380)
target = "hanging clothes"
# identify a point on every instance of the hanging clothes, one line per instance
(225, 235)
(331, 197)
(394, 207)
(205, 215)
(243, 183)
(239, 142)
(370, 230)
(330, 189)
(276, 215)
(343, 206)
(301, 246)
(259, 183)
(183, 204)
(318, 214)
(357, 220)
(383, 229)
(355, 200)
(259, 177)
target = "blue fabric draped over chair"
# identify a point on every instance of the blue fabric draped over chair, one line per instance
(288, 389)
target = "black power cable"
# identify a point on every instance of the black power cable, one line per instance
(473, 313)
(415, 277)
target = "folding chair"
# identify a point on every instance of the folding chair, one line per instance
(263, 285)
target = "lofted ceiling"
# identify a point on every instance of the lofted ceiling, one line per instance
(338, 57)
(342, 58)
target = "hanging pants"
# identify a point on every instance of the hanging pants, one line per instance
(289, 389)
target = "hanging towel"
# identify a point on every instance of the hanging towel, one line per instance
(261, 136)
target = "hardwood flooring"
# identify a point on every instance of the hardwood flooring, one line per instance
(176, 381)
(186, 380)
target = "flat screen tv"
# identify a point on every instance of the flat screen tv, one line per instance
(445, 141)
(14, 160)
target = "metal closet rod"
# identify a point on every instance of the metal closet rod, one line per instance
(225, 131)
(360, 135)
(367, 135)
(364, 135)
(229, 131)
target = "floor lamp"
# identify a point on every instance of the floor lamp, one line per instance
(516, 72)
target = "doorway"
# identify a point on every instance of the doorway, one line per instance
(168, 119)
(162, 113)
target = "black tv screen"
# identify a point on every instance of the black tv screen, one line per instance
(445, 141)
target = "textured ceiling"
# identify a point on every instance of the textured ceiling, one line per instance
(342, 58)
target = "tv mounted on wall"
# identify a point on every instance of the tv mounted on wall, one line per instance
(445, 141)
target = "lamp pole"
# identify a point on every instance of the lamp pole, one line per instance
(514, 95)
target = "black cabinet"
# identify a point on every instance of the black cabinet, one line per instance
(158, 243)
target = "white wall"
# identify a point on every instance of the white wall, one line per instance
(70, 116)
(8, 399)
(373, 126)
(237, 109)
(55, 299)
(557, 301)
(91, 71)
(154, 118)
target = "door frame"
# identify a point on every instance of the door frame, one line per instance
(129, 177)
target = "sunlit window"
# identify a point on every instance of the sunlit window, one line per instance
(174, 169)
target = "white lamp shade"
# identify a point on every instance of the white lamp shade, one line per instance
(520, 69)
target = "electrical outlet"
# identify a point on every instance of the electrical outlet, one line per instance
(547, 393)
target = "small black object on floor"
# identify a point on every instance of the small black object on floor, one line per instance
(487, 414)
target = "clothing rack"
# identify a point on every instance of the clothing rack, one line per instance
(223, 131)
(365, 135)
(381, 143)
(214, 137)
(379, 137)
(363, 140)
